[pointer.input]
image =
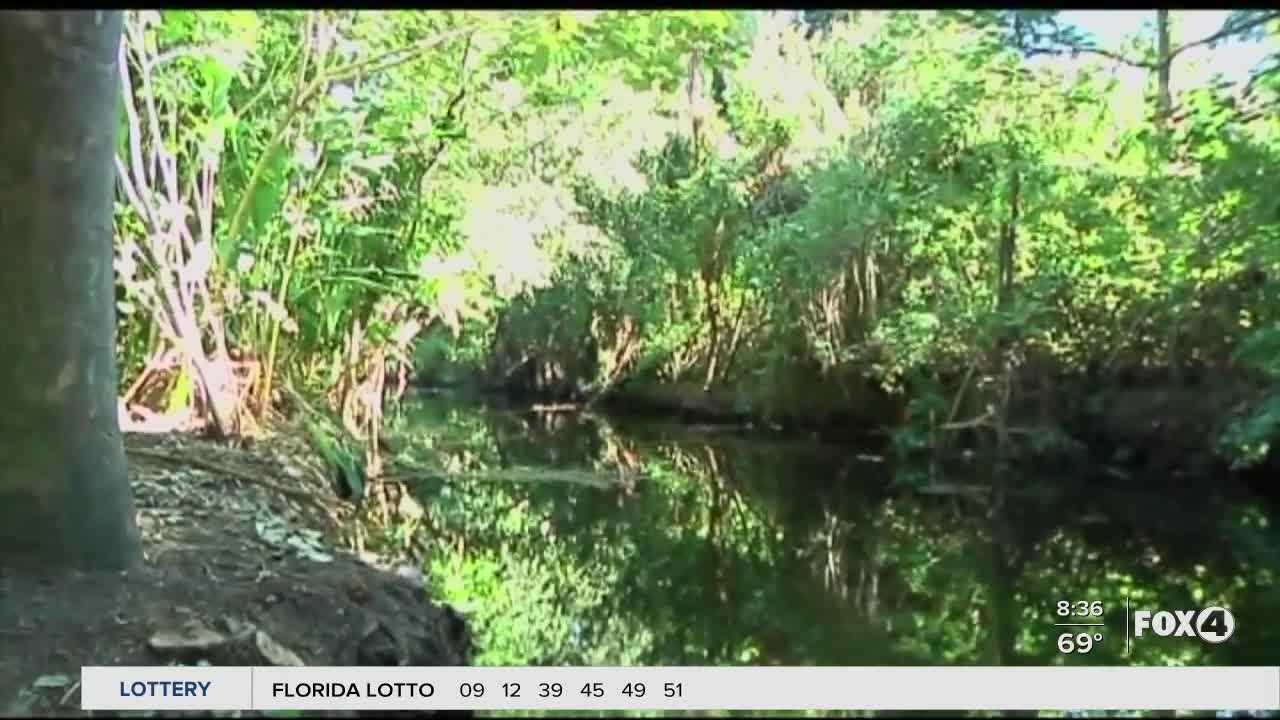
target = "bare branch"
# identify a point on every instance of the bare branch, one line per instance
(130, 193)
(166, 160)
(205, 191)
(1226, 32)
(140, 179)
(134, 42)
(1118, 57)
(1222, 34)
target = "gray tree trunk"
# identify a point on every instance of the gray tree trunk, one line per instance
(1164, 70)
(65, 498)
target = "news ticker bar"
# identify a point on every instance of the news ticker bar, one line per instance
(680, 688)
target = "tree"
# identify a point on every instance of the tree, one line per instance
(65, 498)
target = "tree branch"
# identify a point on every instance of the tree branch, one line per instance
(1227, 31)
(1144, 64)
(140, 178)
(449, 118)
(385, 60)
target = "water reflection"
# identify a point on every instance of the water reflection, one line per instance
(692, 546)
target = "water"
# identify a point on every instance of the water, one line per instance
(582, 541)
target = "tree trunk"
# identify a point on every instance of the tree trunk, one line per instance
(65, 498)
(1164, 111)
(1164, 70)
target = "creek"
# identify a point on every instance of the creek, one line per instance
(584, 540)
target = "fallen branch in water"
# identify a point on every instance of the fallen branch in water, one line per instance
(591, 478)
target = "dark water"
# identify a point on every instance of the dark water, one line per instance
(584, 541)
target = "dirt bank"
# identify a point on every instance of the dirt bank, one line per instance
(242, 567)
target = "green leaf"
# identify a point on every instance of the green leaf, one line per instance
(269, 193)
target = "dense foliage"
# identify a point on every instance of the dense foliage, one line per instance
(796, 210)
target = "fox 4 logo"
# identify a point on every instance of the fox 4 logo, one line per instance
(1212, 624)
